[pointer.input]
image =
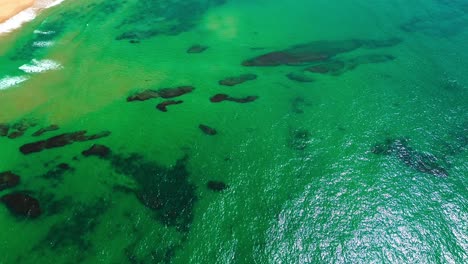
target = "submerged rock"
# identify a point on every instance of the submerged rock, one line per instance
(300, 139)
(168, 192)
(44, 130)
(143, 96)
(175, 92)
(235, 80)
(299, 77)
(163, 106)
(422, 162)
(297, 105)
(224, 97)
(60, 141)
(207, 130)
(57, 172)
(317, 51)
(164, 93)
(4, 128)
(22, 205)
(334, 66)
(197, 49)
(97, 150)
(218, 98)
(8, 180)
(15, 134)
(217, 186)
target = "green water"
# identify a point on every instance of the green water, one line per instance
(304, 183)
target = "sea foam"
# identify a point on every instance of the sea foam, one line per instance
(10, 81)
(43, 44)
(37, 66)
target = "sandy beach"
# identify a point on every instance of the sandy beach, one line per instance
(9, 8)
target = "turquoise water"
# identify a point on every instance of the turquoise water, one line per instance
(348, 145)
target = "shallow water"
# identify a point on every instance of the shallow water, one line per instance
(360, 162)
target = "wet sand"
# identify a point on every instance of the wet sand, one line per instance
(9, 8)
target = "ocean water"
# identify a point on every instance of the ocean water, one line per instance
(350, 149)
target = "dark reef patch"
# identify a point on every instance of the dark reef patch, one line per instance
(57, 172)
(163, 93)
(235, 80)
(18, 129)
(44, 130)
(299, 77)
(74, 230)
(332, 66)
(97, 150)
(299, 139)
(217, 98)
(163, 106)
(197, 48)
(166, 191)
(60, 141)
(317, 51)
(22, 205)
(422, 162)
(8, 180)
(207, 130)
(217, 186)
(298, 104)
(165, 17)
(4, 128)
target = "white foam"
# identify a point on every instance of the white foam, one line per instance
(37, 66)
(10, 81)
(43, 44)
(26, 15)
(16, 21)
(40, 32)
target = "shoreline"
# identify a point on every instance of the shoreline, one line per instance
(10, 8)
(17, 12)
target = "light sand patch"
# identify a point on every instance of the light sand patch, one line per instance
(9, 8)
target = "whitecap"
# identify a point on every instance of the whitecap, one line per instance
(43, 44)
(10, 81)
(37, 66)
(40, 32)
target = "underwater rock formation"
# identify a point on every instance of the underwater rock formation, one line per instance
(168, 192)
(164, 93)
(217, 186)
(337, 67)
(55, 175)
(4, 128)
(197, 48)
(299, 139)
(60, 141)
(331, 66)
(299, 77)
(235, 80)
(21, 204)
(143, 96)
(163, 106)
(164, 17)
(224, 97)
(317, 51)
(207, 130)
(8, 180)
(419, 161)
(297, 105)
(97, 150)
(19, 128)
(74, 230)
(44, 130)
